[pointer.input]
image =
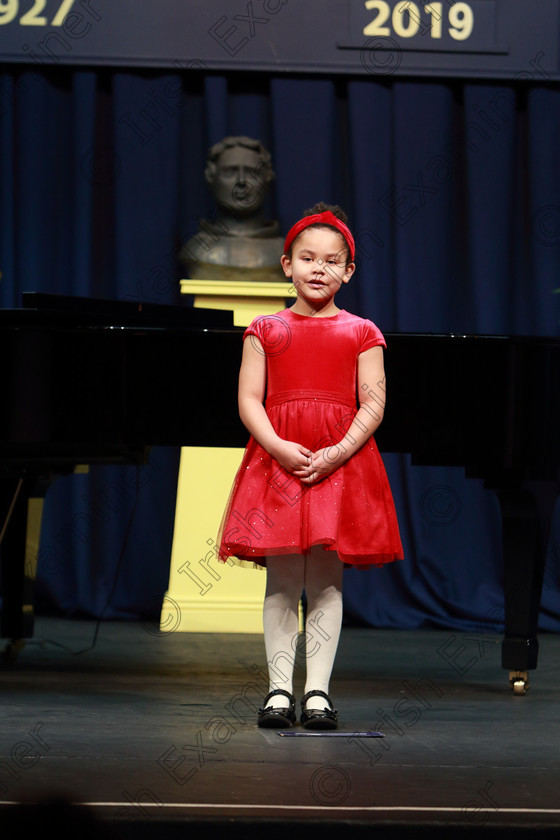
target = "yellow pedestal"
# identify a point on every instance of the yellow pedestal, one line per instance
(204, 594)
(246, 299)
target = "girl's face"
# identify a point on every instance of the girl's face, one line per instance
(317, 265)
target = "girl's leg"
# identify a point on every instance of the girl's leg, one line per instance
(323, 588)
(284, 587)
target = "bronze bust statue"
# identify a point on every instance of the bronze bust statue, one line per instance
(239, 244)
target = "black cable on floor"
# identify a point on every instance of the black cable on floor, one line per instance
(122, 553)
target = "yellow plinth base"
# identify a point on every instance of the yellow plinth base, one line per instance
(205, 595)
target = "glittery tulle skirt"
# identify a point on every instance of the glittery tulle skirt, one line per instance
(271, 512)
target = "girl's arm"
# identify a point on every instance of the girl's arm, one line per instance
(371, 384)
(252, 386)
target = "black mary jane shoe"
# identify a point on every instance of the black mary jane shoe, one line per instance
(326, 718)
(273, 717)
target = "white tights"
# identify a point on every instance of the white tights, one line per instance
(320, 575)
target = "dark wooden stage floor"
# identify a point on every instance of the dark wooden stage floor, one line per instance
(157, 733)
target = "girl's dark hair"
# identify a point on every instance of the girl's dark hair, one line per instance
(321, 207)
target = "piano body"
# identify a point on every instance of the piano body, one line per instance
(490, 404)
(92, 381)
(89, 381)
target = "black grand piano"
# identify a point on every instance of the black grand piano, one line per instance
(91, 381)
(492, 405)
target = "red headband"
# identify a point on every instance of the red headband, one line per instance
(326, 218)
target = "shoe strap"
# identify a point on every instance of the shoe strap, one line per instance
(316, 693)
(276, 692)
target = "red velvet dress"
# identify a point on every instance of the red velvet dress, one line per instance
(311, 399)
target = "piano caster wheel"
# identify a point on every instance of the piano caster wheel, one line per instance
(519, 681)
(11, 651)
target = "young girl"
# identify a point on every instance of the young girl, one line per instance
(311, 494)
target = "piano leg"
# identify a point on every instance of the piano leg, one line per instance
(526, 515)
(17, 571)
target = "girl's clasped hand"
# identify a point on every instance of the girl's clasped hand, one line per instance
(316, 465)
(309, 467)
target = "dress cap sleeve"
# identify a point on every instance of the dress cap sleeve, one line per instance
(371, 336)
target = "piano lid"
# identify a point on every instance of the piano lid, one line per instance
(67, 308)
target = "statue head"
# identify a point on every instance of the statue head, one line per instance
(239, 172)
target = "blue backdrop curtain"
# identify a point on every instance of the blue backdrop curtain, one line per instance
(453, 192)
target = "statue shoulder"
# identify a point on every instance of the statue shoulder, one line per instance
(239, 251)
